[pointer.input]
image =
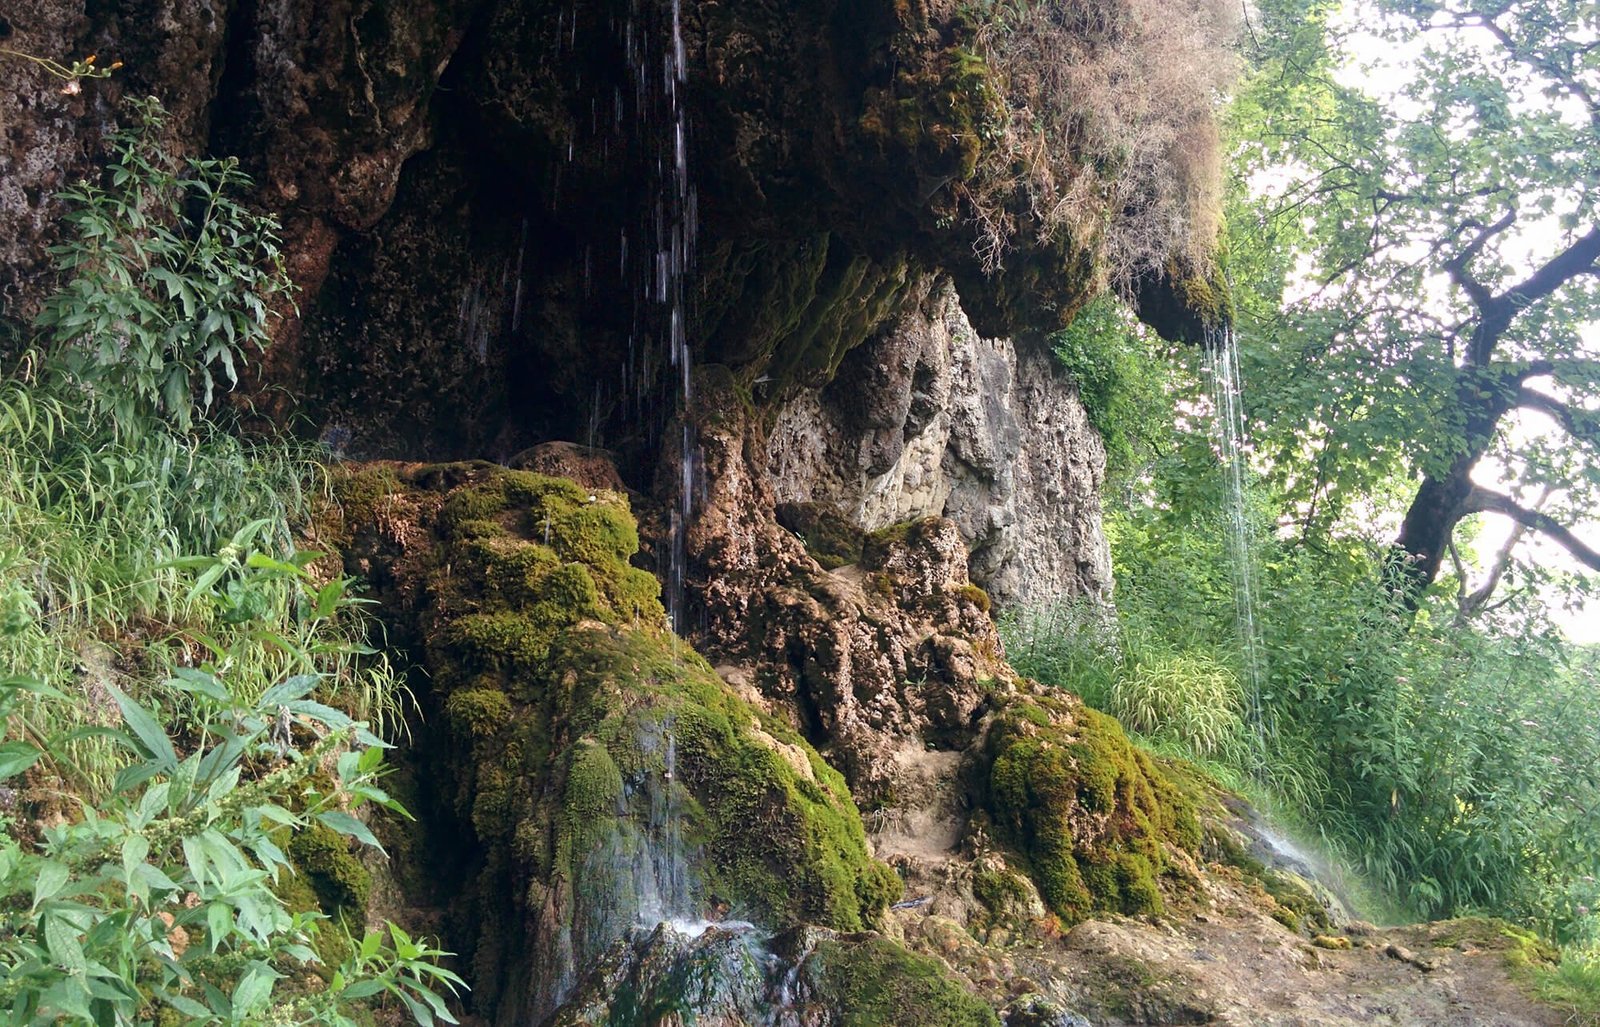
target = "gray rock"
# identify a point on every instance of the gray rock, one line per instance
(929, 419)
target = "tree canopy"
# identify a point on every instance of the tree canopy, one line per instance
(1443, 222)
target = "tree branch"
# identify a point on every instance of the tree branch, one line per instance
(1563, 76)
(1571, 420)
(1479, 293)
(1482, 500)
(1578, 258)
(1470, 604)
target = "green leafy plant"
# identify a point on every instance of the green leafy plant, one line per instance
(161, 895)
(209, 684)
(172, 279)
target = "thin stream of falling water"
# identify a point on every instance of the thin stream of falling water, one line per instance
(673, 227)
(1222, 363)
(679, 904)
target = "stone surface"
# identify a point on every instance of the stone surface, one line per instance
(929, 419)
(873, 662)
(51, 128)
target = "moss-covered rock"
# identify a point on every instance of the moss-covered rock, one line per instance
(597, 764)
(874, 981)
(323, 857)
(1092, 817)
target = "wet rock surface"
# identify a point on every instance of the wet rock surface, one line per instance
(580, 770)
(894, 653)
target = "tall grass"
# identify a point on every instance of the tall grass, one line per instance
(114, 509)
(1457, 768)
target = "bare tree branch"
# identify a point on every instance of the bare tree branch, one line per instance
(1482, 500)
(1471, 604)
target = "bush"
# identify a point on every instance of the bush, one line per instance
(172, 662)
(1455, 764)
(160, 899)
(170, 280)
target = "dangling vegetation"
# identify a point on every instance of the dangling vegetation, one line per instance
(183, 690)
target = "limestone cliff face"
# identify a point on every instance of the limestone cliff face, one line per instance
(928, 419)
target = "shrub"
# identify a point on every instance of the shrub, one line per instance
(171, 279)
(148, 573)
(160, 900)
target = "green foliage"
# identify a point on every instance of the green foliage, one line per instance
(171, 279)
(1572, 985)
(1123, 373)
(1454, 765)
(1413, 261)
(159, 896)
(207, 682)
(1186, 694)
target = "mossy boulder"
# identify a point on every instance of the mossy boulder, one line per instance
(778, 835)
(1092, 818)
(874, 981)
(598, 765)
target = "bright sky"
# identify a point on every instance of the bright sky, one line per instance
(1381, 69)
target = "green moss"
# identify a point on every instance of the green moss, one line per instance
(515, 643)
(361, 494)
(778, 830)
(1208, 296)
(322, 857)
(549, 655)
(594, 784)
(939, 117)
(1004, 896)
(874, 981)
(478, 711)
(1091, 815)
(1297, 906)
(976, 596)
(1521, 946)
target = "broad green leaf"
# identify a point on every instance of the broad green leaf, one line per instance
(349, 826)
(148, 729)
(16, 757)
(52, 877)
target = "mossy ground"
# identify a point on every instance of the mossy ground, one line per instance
(875, 982)
(1092, 817)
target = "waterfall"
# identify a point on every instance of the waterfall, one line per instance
(671, 228)
(1222, 366)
